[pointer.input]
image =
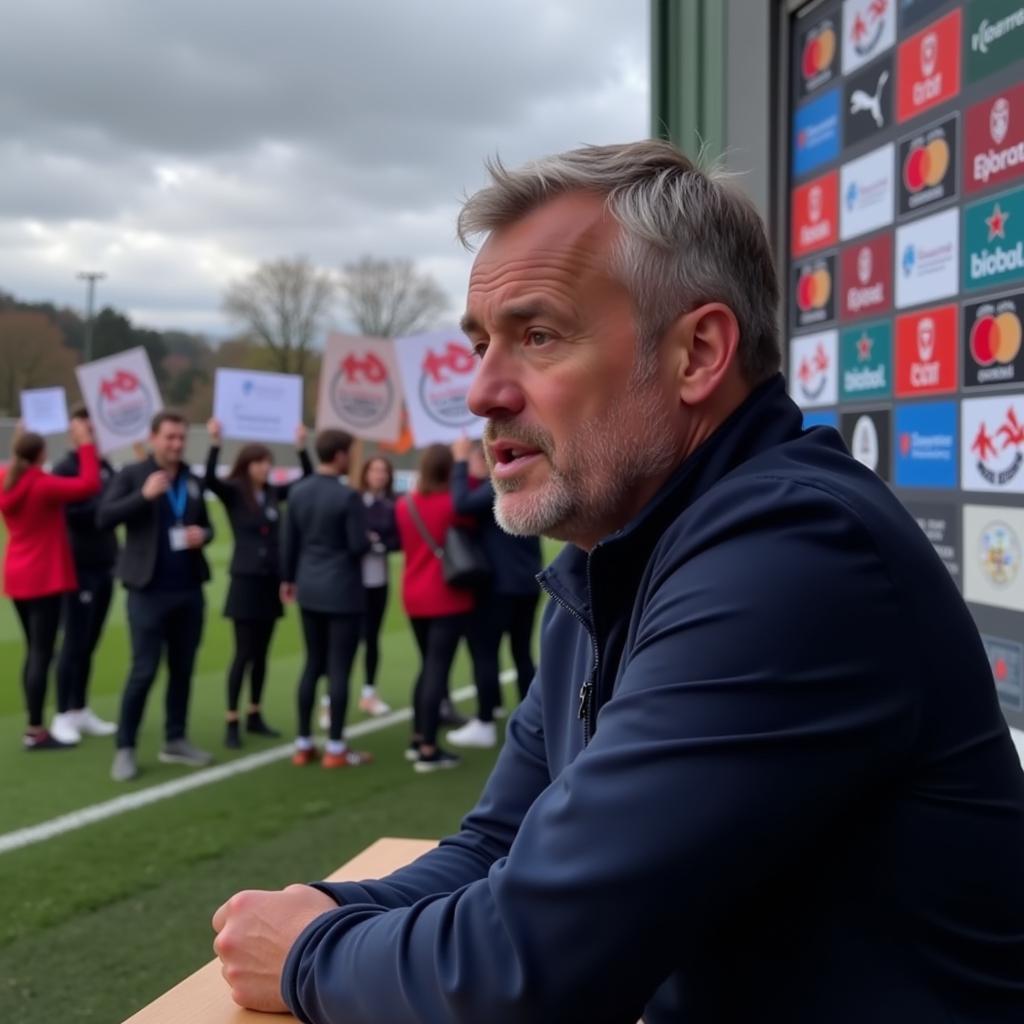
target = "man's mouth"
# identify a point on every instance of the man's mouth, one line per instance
(509, 457)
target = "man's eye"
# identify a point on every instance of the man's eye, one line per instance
(480, 349)
(538, 337)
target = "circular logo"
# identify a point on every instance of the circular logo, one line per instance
(995, 338)
(999, 553)
(999, 120)
(361, 392)
(444, 384)
(819, 49)
(926, 164)
(813, 288)
(865, 443)
(125, 406)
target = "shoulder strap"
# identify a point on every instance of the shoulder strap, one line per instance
(421, 526)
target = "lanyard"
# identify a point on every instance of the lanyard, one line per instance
(177, 495)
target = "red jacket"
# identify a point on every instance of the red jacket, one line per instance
(424, 591)
(38, 559)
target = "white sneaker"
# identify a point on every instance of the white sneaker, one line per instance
(90, 724)
(374, 706)
(474, 734)
(64, 728)
(324, 718)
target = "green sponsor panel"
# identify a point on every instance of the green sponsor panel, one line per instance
(865, 362)
(993, 36)
(993, 244)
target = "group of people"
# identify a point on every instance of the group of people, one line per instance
(316, 542)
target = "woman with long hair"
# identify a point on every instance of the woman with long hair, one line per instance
(253, 603)
(438, 612)
(38, 565)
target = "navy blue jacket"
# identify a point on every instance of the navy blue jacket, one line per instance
(515, 561)
(792, 796)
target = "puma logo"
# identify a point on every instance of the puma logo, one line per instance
(861, 100)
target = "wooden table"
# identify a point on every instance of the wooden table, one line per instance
(203, 998)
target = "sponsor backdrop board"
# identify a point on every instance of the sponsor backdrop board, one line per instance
(903, 232)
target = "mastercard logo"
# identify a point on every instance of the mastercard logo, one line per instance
(926, 165)
(995, 339)
(819, 49)
(813, 289)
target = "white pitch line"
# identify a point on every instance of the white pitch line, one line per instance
(65, 823)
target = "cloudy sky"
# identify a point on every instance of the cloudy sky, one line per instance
(176, 145)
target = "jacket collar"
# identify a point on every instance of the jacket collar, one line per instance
(766, 418)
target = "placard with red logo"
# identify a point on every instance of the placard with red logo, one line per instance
(359, 388)
(926, 352)
(437, 371)
(122, 397)
(865, 275)
(994, 140)
(992, 442)
(928, 67)
(993, 354)
(814, 369)
(812, 291)
(816, 50)
(927, 163)
(815, 218)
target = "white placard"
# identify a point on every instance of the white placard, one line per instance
(927, 259)
(867, 192)
(256, 406)
(869, 28)
(993, 553)
(45, 410)
(813, 369)
(360, 390)
(122, 397)
(437, 370)
(992, 444)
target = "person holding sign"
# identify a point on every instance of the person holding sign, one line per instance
(38, 565)
(162, 567)
(253, 602)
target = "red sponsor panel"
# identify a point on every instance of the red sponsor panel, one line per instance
(928, 67)
(865, 277)
(815, 207)
(926, 351)
(994, 140)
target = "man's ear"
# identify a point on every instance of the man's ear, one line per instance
(705, 343)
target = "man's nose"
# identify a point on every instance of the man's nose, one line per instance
(497, 390)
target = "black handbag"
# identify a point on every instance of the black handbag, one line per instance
(463, 562)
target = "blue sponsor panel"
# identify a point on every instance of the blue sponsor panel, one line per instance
(816, 133)
(821, 418)
(926, 445)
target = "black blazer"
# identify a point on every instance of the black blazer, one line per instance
(257, 527)
(123, 503)
(93, 549)
(323, 541)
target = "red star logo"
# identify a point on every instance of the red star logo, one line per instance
(996, 222)
(864, 347)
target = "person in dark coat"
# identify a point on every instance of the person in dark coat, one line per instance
(253, 603)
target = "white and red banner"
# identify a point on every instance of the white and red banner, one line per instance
(122, 397)
(360, 389)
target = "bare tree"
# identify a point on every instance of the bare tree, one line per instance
(390, 298)
(283, 304)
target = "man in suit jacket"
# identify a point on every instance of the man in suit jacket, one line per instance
(162, 567)
(325, 536)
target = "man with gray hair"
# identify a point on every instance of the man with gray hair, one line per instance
(762, 774)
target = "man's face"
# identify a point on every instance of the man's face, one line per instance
(573, 439)
(168, 443)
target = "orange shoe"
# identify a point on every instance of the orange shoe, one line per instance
(304, 757)
(350, 759)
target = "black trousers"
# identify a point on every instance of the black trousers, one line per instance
(376, 606)
(85, 612)
(40, 620)
(157, 619)
(437, 638)
(494, 616)
(331, 642)
(252, 642)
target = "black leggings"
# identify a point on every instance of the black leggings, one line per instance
(437, 638)
(376, 606)
(252, 641)
(85, 612)
(40, 620)
(331, 642)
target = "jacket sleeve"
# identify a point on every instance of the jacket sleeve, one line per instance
(307, 470)
(122, 502)
(203, 519)
(357, 537)
(81, 514)
(224, 490)
(731, 746)
(289, 547)
(389, 531)
(74, 488)
(470, 501)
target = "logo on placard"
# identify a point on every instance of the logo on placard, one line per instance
(813, 373)
(442, 393)
(995, 240)
(940, 523)
(816, 132)
(995, 32)
(929, 67)
(926, 444)
(865, 357)
(867, 104)
(999, 448)
(867, 436)
(995, 140)
(868, 188)
(814, 214)
(999, 121)
(124, 406)
(926, 351)
(999, 553)
(871, 102)
(928, 250)
(1006, 659)
(361, 392)
(866, 274)
(928, 165)
(869, 27)
(818, 54)
(812, 292)
(993, 330)
(814, 204)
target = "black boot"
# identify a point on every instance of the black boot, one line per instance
(449, 715)
(231, 736)
(254, 723)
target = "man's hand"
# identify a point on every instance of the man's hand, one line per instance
(287, 593)
(80, 431)
(301, 436)
(255, 930)
(461, 449)
(195, 536)
(156, 484)
(214, 430)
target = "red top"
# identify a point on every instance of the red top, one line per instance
(424, 591)
(38, 559)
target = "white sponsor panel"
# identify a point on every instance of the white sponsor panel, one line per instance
(360, 390)
(814, 369)
(44, 410)
(256, 406)
(993, 549)
(869, 28)
(867, 192)
(121, 394)
(437, 370)
(927, 259)
(992, 444)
